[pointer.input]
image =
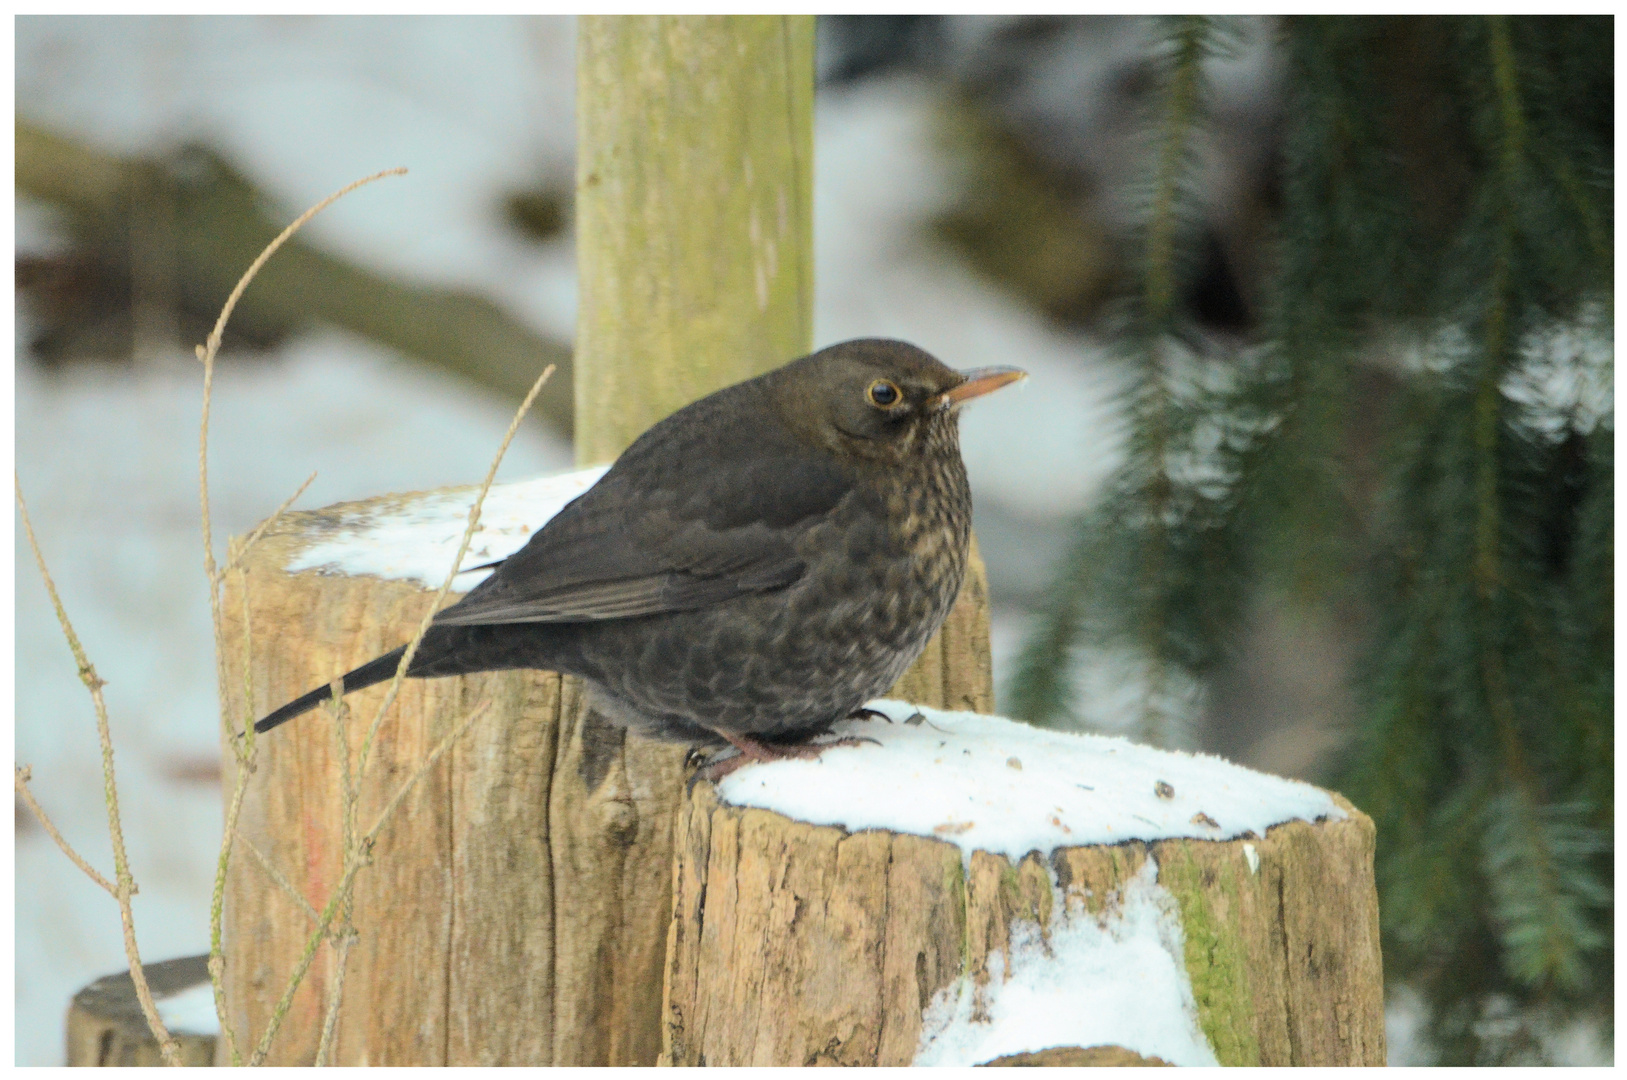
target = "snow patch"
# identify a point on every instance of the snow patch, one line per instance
(416, 538)
(986, 783)
(1114, 979)
(190, 1011)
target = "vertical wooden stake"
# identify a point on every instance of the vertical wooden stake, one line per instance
(694, 212)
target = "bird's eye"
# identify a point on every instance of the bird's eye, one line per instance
(883, 393)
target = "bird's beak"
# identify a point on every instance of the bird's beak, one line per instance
(979, 381)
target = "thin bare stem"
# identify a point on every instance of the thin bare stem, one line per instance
(345, 932)
(359, 852)
(330, 1021)
(340, 712)
(126, 884)
(206, 354)
(244, 753)
(23, 776)
(451, 575)
(318, 934)
(278, 879)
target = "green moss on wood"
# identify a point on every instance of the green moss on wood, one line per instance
(1216, 957)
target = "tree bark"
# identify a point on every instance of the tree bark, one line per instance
(794, 944)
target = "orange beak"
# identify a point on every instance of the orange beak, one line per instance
(979, 381)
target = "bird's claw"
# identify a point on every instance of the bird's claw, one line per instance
(868, 714)
(715, 769)
(849, 740)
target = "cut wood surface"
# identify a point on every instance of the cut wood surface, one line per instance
(798, 944)
(106, 1026)
(517, 909)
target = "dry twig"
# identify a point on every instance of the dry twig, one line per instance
(355, 859)
(24, 774)
(357, 850)
(244, 754)
(126, 885)
(345, 932)
(278, 879)
(236, 558)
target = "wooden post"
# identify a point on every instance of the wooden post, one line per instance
(795, 944)
(517, 909)
(694, 212)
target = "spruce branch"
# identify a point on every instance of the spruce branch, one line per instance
(1537, 860)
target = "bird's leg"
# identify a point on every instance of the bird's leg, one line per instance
(752, 750)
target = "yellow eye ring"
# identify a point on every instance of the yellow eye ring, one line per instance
(883, 394)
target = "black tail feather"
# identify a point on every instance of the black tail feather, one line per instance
(373, 672)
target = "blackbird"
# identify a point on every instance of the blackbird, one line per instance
(751, 570)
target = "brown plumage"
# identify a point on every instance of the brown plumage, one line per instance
(752, 569)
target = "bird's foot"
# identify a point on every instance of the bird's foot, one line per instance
(864, 713)
(753, 750)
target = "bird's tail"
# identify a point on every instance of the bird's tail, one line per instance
(373, 672)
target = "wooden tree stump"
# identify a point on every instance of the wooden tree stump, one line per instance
(106, 1026)
(518, 907)
(796, 943)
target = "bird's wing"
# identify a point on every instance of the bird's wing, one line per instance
(663, 538)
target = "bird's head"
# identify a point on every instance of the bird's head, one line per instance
(879, 399)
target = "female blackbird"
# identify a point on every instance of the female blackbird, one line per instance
(752, 569)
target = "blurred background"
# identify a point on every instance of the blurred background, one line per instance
(1314, 469)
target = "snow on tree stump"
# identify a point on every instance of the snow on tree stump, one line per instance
(975, 889)
(517, 908)
(106, 1026)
